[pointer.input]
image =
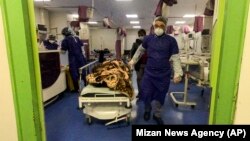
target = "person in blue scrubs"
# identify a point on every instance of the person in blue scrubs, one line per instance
(73, 45)
(160, 48)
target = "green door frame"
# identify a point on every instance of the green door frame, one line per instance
(227, 44)
(19, 25)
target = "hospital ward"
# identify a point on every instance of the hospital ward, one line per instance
(93, 70)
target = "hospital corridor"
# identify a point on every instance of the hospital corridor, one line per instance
(123, 70)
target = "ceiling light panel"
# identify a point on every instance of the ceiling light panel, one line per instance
(137, 27)
(92, 22)
(134, 22)
(132, 16)
(188, 16)
(180, 22)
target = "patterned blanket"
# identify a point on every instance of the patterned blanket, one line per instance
(112, 74)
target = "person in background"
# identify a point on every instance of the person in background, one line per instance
(73, 45)
(77, 34)
(139, 66)
(101, 53)
(50, 43)
(160, 48)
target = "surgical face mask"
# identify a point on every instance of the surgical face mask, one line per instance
(159, 31)
(51, 41)
(141, 37)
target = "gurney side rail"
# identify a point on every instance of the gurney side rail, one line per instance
(104, 100)
(87, 69)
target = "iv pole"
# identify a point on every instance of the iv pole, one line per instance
(187, 61)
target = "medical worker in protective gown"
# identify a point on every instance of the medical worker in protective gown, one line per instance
(73, 45)
(160, 48)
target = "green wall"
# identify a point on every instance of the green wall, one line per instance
(216, 47)
(24, 65)
(227, 44)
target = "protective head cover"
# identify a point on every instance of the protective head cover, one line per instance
(52, 38)
(66, 31)
(159, 25)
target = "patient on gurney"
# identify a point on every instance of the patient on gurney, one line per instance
(114, 75)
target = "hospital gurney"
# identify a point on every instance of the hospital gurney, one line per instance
(104, 104)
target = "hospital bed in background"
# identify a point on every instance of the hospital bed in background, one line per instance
(200, 74)
(195, 59)
(196, 47)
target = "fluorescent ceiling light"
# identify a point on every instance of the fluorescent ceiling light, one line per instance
(132, 16)
(75, 15)
(42, 0)
(137, 26)
(188, 16)
(134, 22)
(123, 0)
(180, 22)
(92, 22)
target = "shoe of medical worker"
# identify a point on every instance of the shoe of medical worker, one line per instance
(158, 120)
(146, 116)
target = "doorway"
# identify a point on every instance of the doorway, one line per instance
(37, 125)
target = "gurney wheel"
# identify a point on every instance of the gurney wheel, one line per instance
(128, 107)
(192, 106)
(89, 120)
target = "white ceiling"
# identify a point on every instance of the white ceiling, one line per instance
(117, 10)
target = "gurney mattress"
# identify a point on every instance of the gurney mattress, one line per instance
(92, 91)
